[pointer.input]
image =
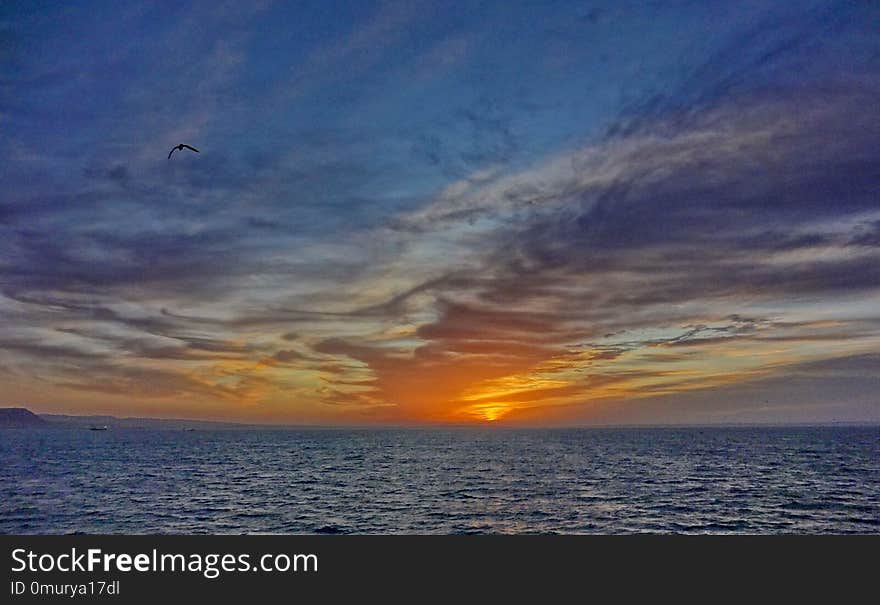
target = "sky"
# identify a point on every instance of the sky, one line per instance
(523, 213)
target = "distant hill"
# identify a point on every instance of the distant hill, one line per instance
(15, 418)
(23, 418)
(60, 420)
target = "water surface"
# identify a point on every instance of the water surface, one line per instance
(710, 480)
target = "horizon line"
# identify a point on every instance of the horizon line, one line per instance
(496, 425)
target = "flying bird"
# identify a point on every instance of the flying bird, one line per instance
(180, 148)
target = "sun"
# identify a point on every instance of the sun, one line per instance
(489, 411)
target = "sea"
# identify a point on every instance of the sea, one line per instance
(739, 480)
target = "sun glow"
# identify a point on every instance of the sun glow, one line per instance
(489, 411)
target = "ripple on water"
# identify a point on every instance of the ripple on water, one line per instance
(803, 480)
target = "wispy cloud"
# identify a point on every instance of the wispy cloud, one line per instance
(414, 215)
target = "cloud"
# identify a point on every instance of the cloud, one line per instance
(652, 236)
(825, 391)
(428, 217)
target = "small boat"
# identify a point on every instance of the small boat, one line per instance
(98, 428)
(188, 430)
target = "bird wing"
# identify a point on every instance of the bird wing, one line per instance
(170, 152)
(193, 148)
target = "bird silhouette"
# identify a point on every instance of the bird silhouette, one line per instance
(180, 148)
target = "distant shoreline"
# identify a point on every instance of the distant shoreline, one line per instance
(75, 421)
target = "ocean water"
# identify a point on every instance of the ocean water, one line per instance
(709, 480)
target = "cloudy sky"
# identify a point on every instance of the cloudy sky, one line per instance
(539, 213)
